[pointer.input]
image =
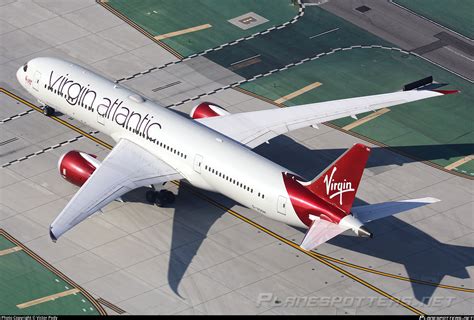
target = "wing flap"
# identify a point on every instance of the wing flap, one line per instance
(257, 127)
(127, 167)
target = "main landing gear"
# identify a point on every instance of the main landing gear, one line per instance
(160, 198)
(48, 111)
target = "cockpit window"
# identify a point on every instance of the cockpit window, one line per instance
(25, 67)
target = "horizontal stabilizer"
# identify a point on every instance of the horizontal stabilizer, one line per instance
(320, 232)
(381, 210)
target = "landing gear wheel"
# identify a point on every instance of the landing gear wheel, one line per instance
(160, 202)
(48, 111)
(169, 196)
(151, 196)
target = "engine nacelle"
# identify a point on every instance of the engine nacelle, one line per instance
(207, 110)
(76, 167)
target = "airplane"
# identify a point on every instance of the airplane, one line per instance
(212, 150)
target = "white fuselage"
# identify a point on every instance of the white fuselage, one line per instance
(206, 158)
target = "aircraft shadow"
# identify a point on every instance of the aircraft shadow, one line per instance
(189, 228)
(442, 260)
(423, 257)
(316, 159)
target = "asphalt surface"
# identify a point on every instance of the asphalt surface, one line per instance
(199, 257)
(410, 32)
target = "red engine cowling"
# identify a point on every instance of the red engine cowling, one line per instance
(207, 110)
(76, 167)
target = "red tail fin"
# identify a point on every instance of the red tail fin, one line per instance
(339, 182)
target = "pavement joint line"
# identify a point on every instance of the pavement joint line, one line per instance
(9, 250)
(57, 119)
(317, 256)
(183, 31)
(367, 139)
(301, 7)
(290, 65)
(52, 269)
(314, 255)
(427, 19)
(299, 91)
(16, 116)
(309, 253)
(442, 67)
(326, 257)
(48, 298)
(44, 150)
(8, 141)
(365, 119)
(459, 162)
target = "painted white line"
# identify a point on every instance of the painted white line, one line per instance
(442, 67)
(323, 33)
(459, 54)
(48, 149)
(295, 19)
(290, 65)
(16, 116)
(246, 59)
(427, 19)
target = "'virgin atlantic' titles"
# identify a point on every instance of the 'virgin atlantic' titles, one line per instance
(77, 94)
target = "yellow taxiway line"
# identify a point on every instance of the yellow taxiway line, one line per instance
(309, 253)
(57, 119)
(183, 31)
(49, 267)
(298, 92)
(9, 250)
(459, 162)
(47, 298)
(322, 258)
(365, 119)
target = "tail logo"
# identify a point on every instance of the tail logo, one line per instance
(334, 189)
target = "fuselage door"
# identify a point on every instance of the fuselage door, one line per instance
(197, 163)
(282, 205)
(36, 80)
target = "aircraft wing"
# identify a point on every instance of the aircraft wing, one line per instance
(127, 167)
(255, 128)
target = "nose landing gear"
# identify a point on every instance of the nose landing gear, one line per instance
(48, 111)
